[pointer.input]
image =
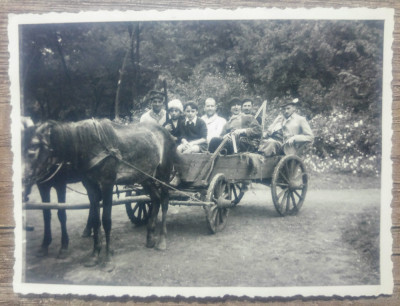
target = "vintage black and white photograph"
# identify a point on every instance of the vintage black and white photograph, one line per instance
(203, 152)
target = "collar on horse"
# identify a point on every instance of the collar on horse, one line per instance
(109, 149)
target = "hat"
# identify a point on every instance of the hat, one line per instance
(287, 102)
(175, 104)
(154, 94)
(235, 101)
(247, 100)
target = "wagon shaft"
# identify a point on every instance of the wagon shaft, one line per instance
(33, 205)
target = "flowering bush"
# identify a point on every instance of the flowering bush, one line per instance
(345, 142)
(346, 164)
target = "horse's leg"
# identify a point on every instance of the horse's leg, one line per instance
(107, 192)
(151, 224)
(44, 191)
(162, 243)
(87, 231)
(94, 195)
(61, 189)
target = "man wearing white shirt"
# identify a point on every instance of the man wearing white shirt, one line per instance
(157, 114)
(214, 122)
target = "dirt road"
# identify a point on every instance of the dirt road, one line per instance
(334, 240)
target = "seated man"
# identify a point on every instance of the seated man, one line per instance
(247, 106)
(214, 122)
(193, 133)
(157, 114)
(245, 128)
(176, 119)
(287, 134)
(248, 109)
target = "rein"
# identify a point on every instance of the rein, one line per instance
(54, 173)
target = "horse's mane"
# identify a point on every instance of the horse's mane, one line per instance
(75, 140)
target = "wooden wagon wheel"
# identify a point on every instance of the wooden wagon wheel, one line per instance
(236, 193)
(289, 185)
(217, 217)
(141, 211)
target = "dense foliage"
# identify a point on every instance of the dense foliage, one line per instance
(76, 71)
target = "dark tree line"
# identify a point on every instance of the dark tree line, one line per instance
(77, 71)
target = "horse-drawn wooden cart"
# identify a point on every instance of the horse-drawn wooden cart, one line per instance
(217, 182)
(103, 151)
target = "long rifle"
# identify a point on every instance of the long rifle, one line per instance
(167, 119)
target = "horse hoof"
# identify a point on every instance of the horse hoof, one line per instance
(62, 254)
(108, 266)
(150, 244)
(43, 252)
(86, 233)
(161, 245)
(91, 262)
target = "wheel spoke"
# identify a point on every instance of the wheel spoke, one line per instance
(283, 201)
(287, 169)
(234, 191)
(293, 166)
(217, 216)
(281, 193)
(287, 202)
(282, 185)
(294, 192)
(135, 208)
(217, 190)
(145, 211)
(301, 197)
(140, 212)
(284, 177)
(221, 216)
(225, 191)
(293, 201)
(300, 174)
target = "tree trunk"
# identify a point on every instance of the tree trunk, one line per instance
(69, 95)
(121, 74)
(136, 66)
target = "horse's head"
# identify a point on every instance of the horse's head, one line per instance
(38, 159)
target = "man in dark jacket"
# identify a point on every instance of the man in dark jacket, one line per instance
(193, 133)
(176, 119)
(245, 128)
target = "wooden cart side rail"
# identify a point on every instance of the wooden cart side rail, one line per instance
(75, 206)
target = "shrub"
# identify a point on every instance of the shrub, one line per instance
(345, 142)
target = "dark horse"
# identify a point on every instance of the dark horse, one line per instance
(58, 178)
(107, 154)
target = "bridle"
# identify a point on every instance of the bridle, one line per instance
(46, 173)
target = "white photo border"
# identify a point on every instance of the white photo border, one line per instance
(386, 264)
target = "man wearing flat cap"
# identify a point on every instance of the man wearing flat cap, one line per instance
(157, 114)
(245, 128)
(288, 133)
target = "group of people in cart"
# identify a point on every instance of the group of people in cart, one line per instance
(194, 134)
